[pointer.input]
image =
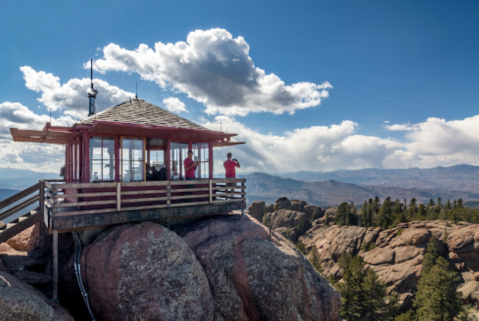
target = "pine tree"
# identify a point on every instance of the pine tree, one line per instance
(436, 296)
(315, 260)
(431, 203)
(362, 294)
(383, 219)
(432, 253)
(343, 215)
(364, 215)
(421, 213)
(413, 205)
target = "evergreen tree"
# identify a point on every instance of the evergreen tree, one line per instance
(431, 203)
(413, 205)
(314, 259)
(432, 253)
(436, 296)
(383, 219)
(421, 213)
(362, 294)
(364, 215)
(448, 205)
(439, 203)
(343, 215)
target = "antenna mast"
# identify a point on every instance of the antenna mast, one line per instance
(92, 93)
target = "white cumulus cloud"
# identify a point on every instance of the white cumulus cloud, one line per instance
(215, 69)
(71, 97)
(174, 105)
(317, 148)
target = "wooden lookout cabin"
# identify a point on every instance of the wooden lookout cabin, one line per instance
(107, 175)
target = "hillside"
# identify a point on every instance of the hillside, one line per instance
(5, 193)
(19, 179)
(463, 178)
(268, 188)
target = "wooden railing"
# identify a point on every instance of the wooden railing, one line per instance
(11, 202)
(96, 198)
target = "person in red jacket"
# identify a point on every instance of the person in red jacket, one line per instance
(230, 168)
(230, 165)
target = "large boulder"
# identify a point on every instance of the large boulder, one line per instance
(257, 210)
(289, 218)
(257, 276)
(395, 254)
(270, 208)
(26, 240)
(282, 203)
(20, 301)
(313, 212)
(298, 205)
(143, 272)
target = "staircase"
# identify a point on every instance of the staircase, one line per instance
(16, 204)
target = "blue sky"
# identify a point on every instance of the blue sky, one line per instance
(398, 61)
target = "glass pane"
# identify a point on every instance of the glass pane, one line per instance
(157, 158)
(126, 148)
(95, 170)
(95, 148)
(137, 171)
(126, 175)
(108, 149)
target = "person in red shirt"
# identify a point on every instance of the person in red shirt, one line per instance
(190, 166)
(230, 165)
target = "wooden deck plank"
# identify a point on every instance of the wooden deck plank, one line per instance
(88, 220)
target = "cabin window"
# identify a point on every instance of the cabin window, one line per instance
(178, 152)
(201, 151)
(102, 159)
(133, 159)
(156, 153)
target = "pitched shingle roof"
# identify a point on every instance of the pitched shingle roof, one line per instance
(138, 111)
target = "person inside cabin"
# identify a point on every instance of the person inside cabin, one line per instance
(190, 166)
(230, 170)
(162, 173)
(148, 173)
(154, 173)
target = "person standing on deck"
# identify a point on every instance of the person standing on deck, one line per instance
(230, 168)
(190, 166)
(230, 165)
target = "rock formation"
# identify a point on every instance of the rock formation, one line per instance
(396, 254)
(144, 271)
(227, 268)
(22, 302)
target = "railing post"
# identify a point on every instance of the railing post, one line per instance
(42, 226)
(210, 189)
(168, 194)
(55, 265)
(118, 196)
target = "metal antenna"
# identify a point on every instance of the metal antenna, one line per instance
(91, 73)
(50, 116)
(136, 93)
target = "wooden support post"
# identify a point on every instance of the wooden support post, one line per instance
(117, 159)
(42, 226)
(55, 265)
(118, 196)
(168, 194)
(210, 160)
(86, 157)
(210, 190)
(167, 159)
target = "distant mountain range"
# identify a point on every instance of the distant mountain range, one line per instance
(454, 178)
(19, 179)
(333, 188)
